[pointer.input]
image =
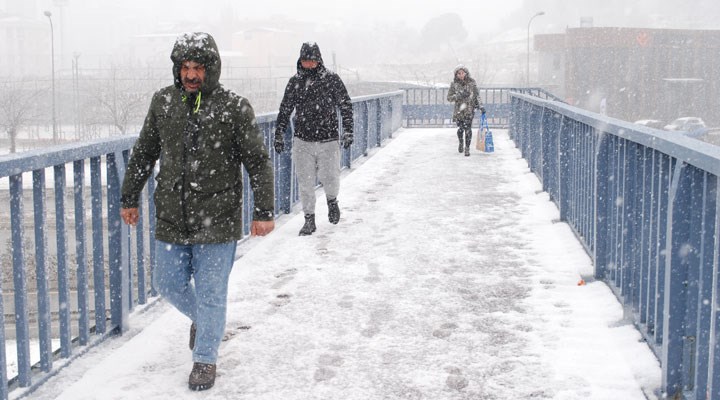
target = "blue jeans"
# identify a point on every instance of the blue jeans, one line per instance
(205, 301)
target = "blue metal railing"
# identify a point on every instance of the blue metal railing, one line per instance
(114, 264)
(644, 203)
(428, 106)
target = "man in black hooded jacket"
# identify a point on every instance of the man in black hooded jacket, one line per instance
(315, 94)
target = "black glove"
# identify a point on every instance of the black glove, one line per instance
(347, 139)
(482, 110)
(279, 143)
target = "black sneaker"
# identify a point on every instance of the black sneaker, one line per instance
(202, 376)
(309, 226)
(460, 148)
(193, 331)
(333, 211)
(467, 151)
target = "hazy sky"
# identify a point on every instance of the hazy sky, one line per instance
(477, 16)
(99, 27)
(480, 18)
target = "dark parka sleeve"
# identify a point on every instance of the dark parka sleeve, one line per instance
(342, 99)
(287, 105)
(145, 153)
(253, 154)
(476, 95)
(453, 94)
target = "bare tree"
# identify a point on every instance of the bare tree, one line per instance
(120, 101)
(17, 108)
(444, 29)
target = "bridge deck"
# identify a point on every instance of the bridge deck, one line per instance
(448, 277)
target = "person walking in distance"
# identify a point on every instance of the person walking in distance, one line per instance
(315, 94)
(201, 133)
(464, 93)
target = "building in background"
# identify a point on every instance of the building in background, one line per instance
(641, 73)
(24, 40)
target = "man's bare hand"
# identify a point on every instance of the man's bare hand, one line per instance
(130, 216)
(262, 228)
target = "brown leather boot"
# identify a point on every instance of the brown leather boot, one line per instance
(202, 376)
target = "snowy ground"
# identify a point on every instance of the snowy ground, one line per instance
(447, 277)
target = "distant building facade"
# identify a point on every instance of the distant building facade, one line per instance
(25, 46)
(635, 73)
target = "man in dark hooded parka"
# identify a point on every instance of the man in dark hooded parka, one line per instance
(201, 133)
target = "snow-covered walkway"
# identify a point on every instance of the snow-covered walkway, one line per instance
(448, 277)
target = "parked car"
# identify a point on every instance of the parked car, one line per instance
(692, 125)
(651, 123)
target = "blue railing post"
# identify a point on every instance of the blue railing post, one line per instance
(653, 214)
(3, 355)
(379, 124)
(713, 384)
(645, 199)
(390, 111)
(80, 252)
(117, 245)
(62, 266)
(140, 246)
(43, 293)
(603, 207)
(127, 238)
(22, 333)
(664, 179)
(708, 204)
(676, 270)
(283, 175)
(629, 232)
(151, 233)
(97, 240)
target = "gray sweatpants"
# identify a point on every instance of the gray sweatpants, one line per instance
(316, 161)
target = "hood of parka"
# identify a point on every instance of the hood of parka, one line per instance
(201, 48)
(310, 51)
(458, 68)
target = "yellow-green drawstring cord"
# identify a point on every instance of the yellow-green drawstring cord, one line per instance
(197, 102)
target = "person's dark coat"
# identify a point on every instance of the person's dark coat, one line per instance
(315, 94)
(464, 93)
(201, 140)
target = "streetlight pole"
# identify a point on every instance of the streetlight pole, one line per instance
(528, 44)
(52, 54)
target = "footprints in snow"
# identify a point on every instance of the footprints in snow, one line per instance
(346, 302)
(374, 275)
(231, 333)
(281, 299)
(326, 363)
(381, 315)
(285, 277)
(455, 379)
(445, 330)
